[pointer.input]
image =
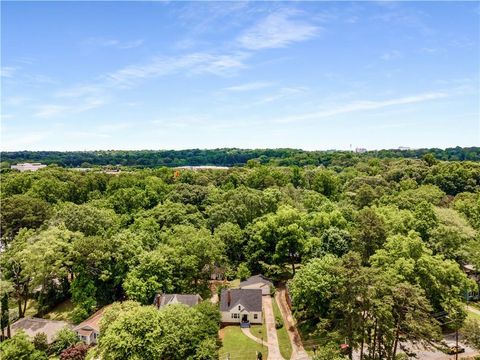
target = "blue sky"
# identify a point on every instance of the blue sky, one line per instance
(176, 75)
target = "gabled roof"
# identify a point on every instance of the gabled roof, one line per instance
(251, 299)
(33, 326)
(186, 299)
(93, 322)
(256, 279)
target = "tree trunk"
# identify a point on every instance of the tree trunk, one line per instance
(19, 303)
(293, 265)
(374, 340)
(456, 343)
(395, 343)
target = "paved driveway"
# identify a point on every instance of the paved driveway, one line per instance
(298, 352)
(272, 340)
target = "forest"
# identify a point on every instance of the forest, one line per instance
(227, 157)
(371, 246)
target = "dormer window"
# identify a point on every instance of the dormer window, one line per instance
(239, 307)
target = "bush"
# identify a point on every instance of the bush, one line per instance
(471, 331)
(75, 352)
(64, 339)
(40, 341)
(278, 323)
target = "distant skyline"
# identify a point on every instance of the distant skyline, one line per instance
(181, 75)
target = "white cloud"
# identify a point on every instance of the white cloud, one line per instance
(54, 110)
(277, 30)
(364, 105)
(195, 63)
(391, 55)
(7, 71)
(106, 42)
(21, 141)
(249, 86)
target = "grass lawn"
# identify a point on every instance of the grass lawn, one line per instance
(234, 284)
(282, 333)
(238, 346)
(61, 312)
(260, 331)
(472, 315)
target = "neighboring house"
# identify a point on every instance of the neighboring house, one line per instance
(28, 166)
(32, 326)
(241, 306)
(162, 300)
(257, 282)
(473, 274)
(89, 330)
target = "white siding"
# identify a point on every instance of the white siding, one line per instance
(235, 316)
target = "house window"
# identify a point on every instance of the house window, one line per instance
(239, 307)
(255, 316)
(235, 316)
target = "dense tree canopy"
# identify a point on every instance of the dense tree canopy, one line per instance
(394, 231)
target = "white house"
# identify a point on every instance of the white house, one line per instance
(239, 306)
(257, 282)
(28, 166)
(89, 330)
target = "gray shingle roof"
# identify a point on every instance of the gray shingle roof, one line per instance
(255, 280)
(32, 326)
(251, 299)
(189, 300)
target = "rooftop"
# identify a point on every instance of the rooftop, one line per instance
(255, 280)
(169, 299)
(93, 321)
(32, 326)
(251, 299)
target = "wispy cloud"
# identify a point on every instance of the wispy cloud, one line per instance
(195, 63)
(108, 42)
(364, 105)
(20, 141)
(277, 30)
(54, 110)
(7, 71)
(249, 86)
(391, 55)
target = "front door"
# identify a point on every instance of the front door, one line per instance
(244, 318)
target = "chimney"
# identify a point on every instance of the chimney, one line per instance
(229, 298)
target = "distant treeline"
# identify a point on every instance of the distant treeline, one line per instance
(226, 157)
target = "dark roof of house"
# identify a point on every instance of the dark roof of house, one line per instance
(255, 280)
(251, 299)
(189, 300)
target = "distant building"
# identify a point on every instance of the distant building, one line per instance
(32, 326)
(28, 166)
(162, 300)
(257, 282)
(360, 150)
(89, 330)
(403, 148)
(241, 306)
(473, 274)
(203, 167)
